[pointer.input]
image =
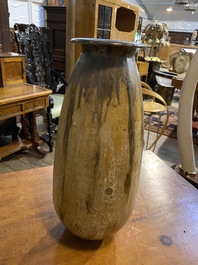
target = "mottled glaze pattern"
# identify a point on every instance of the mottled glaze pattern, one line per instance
(99, 142)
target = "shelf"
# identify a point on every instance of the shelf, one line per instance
(15, 146)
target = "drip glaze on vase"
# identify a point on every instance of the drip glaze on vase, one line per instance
(99, 141)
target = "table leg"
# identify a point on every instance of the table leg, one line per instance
(25, 133)
(34, 136)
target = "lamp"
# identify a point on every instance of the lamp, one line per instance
(181, 2)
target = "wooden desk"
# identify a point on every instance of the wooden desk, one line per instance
(163, 228)
(17, 100)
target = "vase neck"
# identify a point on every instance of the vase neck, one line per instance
(108, 51)
(106, 47)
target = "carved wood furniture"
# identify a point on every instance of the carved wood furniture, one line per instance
(35, 44)
(18, 100)
(109, 19)
(161, 230)
(12, 69)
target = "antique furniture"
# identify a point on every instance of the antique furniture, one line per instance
(56, 22)
(107, 19)
(152, 107)
(12, 69)
(161, 230)
(179, 37)
(20, 99)
(35, 44)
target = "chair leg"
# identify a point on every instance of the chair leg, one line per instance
(158, 127)
(148, 134)
(50, 129)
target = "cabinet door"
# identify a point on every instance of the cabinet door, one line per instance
(104, 22)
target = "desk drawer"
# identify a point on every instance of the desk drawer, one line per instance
(35, 104)
(9, 112)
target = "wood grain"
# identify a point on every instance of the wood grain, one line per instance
(17, 100)
(163, 228)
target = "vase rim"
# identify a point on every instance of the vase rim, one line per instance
(107, 42)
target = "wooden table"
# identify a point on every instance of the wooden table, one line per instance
(163, 228)
(18, 100)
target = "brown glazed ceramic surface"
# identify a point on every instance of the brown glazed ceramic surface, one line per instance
(99, 141)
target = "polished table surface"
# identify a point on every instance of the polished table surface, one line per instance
(163, 228)
(19, 94)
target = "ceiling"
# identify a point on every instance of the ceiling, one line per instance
(156, 9)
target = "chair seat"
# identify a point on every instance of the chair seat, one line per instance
(56, 110)
(153, 107)
(58, 101)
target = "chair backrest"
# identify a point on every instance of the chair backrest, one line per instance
(34, 43)
(147, 90)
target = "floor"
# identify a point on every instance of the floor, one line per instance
(166, 149)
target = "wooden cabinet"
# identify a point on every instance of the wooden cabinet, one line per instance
(109, 19)
(179, 37)
(56, 21)
(12, 69)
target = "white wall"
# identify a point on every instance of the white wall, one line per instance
(26, 11)
(31, 11)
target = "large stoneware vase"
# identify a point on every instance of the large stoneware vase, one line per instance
(99, 141)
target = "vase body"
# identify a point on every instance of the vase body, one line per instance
(99, 141)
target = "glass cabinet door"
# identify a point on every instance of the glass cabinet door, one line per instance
(104, 22)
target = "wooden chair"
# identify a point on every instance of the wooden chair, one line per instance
(34, 43)
(152, 107)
